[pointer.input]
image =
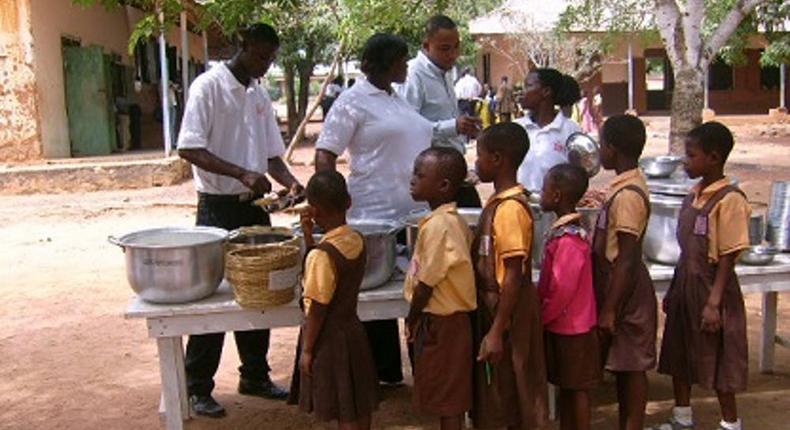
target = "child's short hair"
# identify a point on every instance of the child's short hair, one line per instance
(328, 190)
(714, 137)
(626, 133)
(381, 51)
(452, 165)
(572, 180)
(507, 138)
(438, 22)
(260, 33)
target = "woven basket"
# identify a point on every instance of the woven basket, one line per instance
(258, 230)
(263, 276)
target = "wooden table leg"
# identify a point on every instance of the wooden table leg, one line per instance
(768, 336)
(171, 369)
(553, 402)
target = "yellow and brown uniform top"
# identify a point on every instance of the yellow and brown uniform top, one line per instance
(442, 261)
(320, 277)
(728, 221)
(627, 212)
(511, 231)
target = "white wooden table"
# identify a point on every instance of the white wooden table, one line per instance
(220, 313)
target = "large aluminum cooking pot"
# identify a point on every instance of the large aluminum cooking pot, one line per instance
(380, 240)
(174, 264)
(660, 244)
(411, 223)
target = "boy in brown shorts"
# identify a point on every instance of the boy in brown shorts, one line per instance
(440, 288)
(627, 307)
(510, 375)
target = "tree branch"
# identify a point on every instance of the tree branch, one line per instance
(692, 30)
(671, 29)
(727, 27)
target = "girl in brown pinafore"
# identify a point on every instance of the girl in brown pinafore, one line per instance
(704, 338)
(335, 376)
(627, 307)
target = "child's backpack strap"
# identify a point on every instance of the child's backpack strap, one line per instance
(483, 250)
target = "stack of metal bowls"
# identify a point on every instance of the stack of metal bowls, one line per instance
(778, 224)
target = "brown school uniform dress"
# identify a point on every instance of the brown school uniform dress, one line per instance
(713, 360)
(633, 347)
(344, 384)
(512, 392)
(443, 341)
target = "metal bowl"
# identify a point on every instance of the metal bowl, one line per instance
(174, 264)
(662, 166)
(758, 255)
(380, 240)
(583, 151)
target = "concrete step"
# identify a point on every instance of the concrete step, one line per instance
(115, 172)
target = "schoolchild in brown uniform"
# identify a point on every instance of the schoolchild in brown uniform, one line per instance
(441, 290)
(335, 376)
(510, 387)
(567, 298)
(704, 340)
(627, 307)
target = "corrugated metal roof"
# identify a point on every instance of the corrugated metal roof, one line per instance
(542, 16)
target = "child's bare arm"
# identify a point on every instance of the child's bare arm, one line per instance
(620, 281)
(491, 348)
(711, 314)
(422, 294)
(314, 322)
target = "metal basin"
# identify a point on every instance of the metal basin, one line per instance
(175, 264)
(660, 244)
(583, 151)
(380, 240)
(660, 167)
(758, 255)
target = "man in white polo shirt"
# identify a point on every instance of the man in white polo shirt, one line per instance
(230, 135)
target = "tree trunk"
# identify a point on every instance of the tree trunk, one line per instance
(305, 73)
(687, 103)
(290, 99)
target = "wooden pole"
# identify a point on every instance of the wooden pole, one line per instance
(783, 86)
(630, 77)
(165, 80)
(184, 54)
(299, 134)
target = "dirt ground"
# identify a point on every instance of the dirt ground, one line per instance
(69, 360)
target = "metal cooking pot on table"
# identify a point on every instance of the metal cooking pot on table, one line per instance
(411, 223)
(174, 264)
(380, 240)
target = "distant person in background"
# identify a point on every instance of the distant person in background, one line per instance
(429, 89)
(485, 107)
(331, 93)
(592, 114)
(504, 101)
(467, 90)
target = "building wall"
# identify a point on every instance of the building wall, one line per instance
(53, 19)
(20, 138)
(746, 96)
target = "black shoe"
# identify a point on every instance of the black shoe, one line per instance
(265, 389)
(206, 406)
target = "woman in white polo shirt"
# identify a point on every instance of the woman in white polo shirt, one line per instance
(547, 127)
(383, 135)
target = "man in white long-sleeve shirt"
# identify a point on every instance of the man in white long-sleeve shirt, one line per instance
(429, 88)
(467, 90)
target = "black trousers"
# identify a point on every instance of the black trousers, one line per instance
(204, 350)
